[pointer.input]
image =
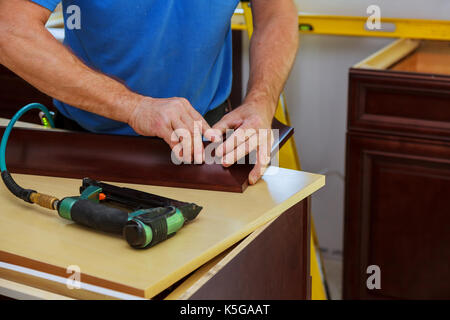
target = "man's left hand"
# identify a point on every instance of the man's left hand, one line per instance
(252, 125)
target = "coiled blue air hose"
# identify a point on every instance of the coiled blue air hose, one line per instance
(18, 191)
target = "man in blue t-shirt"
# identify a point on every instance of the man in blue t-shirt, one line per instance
(153, 67)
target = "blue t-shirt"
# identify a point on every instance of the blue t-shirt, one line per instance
(158, 48)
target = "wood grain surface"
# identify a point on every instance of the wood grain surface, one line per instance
(397, 217)
(38, 239)
(248, 271)
(432, 57)
(398, 178)
(399, 103)
(116, 158)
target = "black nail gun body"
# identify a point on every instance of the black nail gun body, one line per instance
(144, 219)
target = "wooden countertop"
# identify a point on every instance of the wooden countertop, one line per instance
(37, 238)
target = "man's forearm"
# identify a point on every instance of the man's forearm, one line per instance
(273, 50)
(30, 51)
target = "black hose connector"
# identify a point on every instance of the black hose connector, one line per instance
(15, 189)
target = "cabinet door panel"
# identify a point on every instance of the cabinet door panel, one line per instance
(399, 103)
(397, 217)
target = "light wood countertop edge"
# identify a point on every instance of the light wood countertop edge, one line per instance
(188, 288)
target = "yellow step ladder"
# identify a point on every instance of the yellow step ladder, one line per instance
(289, 159)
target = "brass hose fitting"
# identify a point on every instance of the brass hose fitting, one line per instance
(44, 200)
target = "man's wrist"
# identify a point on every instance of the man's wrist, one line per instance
(263, 101)
(127, 106)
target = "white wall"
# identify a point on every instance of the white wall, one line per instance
(316, 95)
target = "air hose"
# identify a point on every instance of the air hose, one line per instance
(27, 195)
(151, 220)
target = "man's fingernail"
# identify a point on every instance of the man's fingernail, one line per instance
(225, 162)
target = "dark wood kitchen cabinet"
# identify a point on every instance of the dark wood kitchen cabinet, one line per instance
(16, 93)
(397, 205)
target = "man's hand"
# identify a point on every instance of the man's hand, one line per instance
(252, 123)
(272, 52)
(164, 117)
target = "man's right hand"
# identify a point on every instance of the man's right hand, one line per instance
(161, 117)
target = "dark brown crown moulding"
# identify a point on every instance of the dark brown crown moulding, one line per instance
(126, 159)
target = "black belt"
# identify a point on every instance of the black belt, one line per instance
(214, 115)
